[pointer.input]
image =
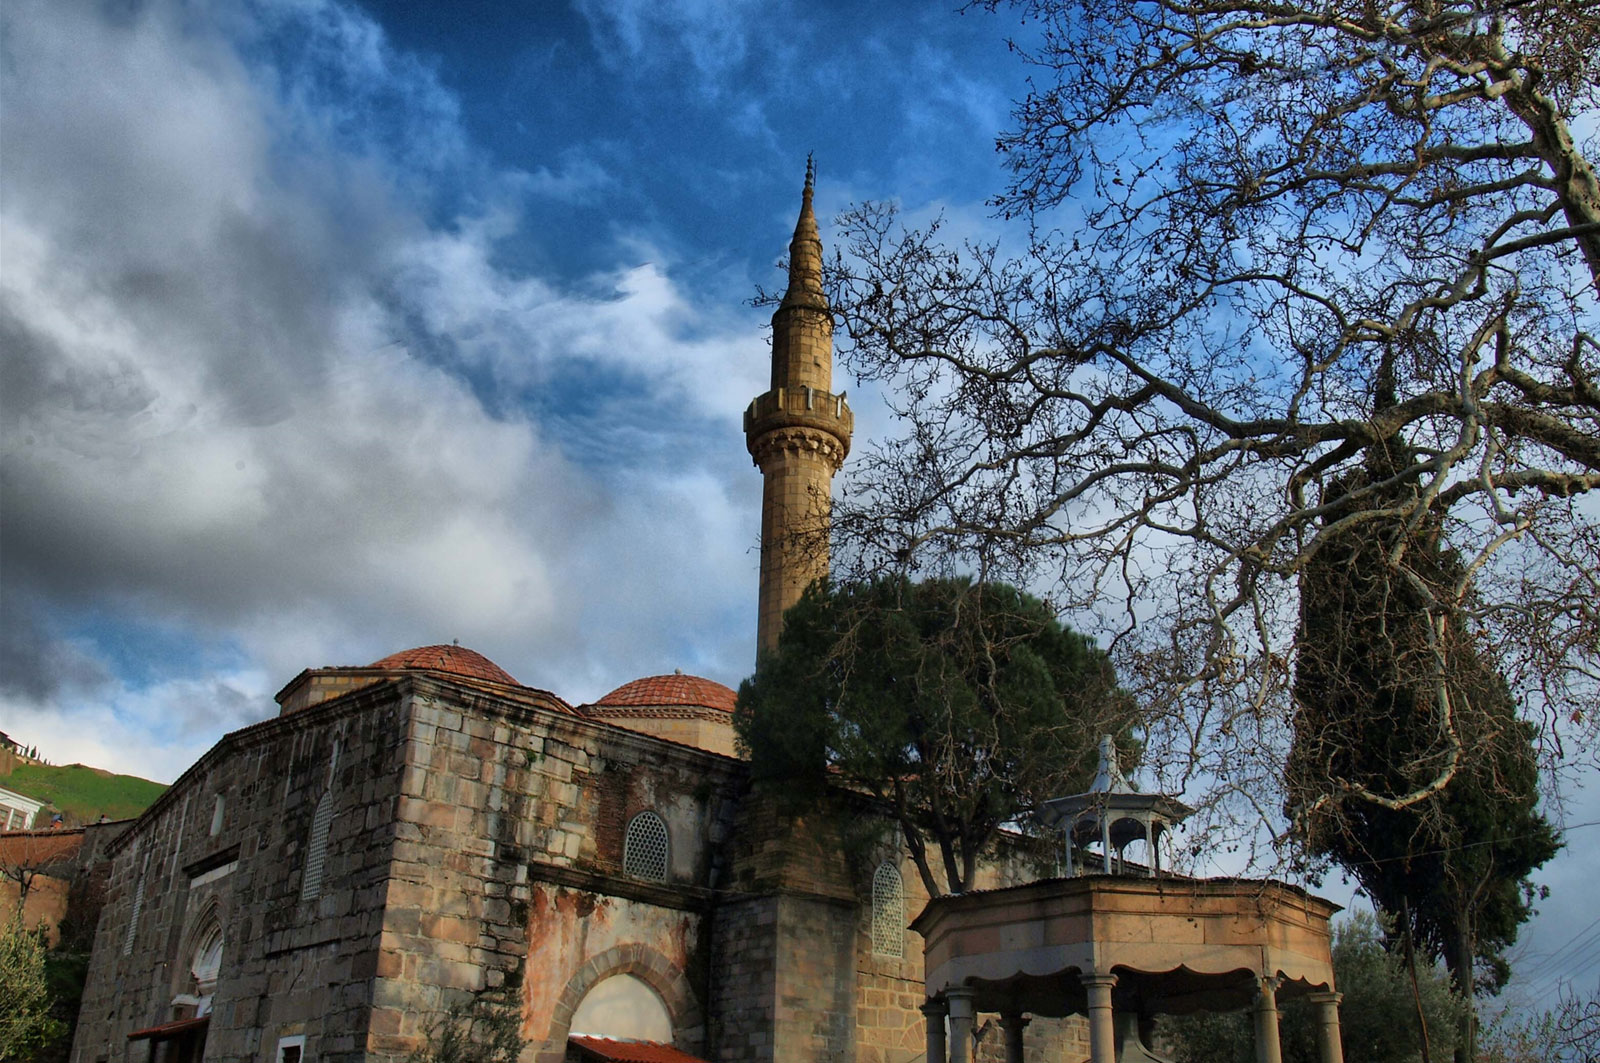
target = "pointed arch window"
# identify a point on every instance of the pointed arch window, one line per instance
(888, 912)
(317, 848)
(206, 965)
(644, 849)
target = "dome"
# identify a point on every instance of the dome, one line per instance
(675, 689)
(456, 660)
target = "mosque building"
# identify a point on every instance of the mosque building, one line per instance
(427, 831)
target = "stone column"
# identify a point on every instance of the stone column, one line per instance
(1330, 1046)
(962, 1014)
(1011, 1025)
(1102, 1026)
(933, 1013)
(1268, 1047)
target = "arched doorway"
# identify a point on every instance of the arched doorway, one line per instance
(625, 1008)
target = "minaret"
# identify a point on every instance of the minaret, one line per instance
(798, 433)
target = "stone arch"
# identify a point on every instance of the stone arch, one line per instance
(650, 967)
(205, 930)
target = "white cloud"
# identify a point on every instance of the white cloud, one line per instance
(245, 392)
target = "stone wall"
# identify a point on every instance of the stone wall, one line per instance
(476, 848)
(807, 982)
(290, 965)
(508, 874)
(744, 980)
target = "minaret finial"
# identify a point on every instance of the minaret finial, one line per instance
(811, 173)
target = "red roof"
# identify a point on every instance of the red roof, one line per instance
(456, 660)
(675, 689)
(609, 1051)
(167, 1031)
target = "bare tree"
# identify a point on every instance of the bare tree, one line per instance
(1255, 241)
(1569, 1032)
(26, 857)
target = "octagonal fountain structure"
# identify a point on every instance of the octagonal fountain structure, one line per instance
(1121, 943)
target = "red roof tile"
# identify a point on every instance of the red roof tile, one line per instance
(676, 689)
(456, 660)
(609, 1051)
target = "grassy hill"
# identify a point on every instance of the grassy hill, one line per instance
(82, 794)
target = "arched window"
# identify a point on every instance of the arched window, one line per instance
(644, 850)
(206, 965)
(888, 912)
(317, 849)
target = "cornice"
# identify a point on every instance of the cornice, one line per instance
(799, 439)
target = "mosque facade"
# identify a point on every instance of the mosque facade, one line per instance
(426, 832)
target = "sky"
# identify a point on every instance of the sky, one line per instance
(335, 328)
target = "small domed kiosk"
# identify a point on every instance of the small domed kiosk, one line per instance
(1121, 946)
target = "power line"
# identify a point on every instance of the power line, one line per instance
(1575, 945)
(1475, 845)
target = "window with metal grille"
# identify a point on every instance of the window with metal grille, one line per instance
(644, 850)
(317, 849)
(888, 912)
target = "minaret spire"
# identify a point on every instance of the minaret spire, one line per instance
(798, 432)
(805, 253)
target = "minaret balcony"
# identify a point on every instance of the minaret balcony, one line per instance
(800, 407)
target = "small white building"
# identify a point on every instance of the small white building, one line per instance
(16, 811)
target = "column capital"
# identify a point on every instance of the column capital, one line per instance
(1325, 998)
(1012, 1024)
(934, 1009)
(960, 1001)
(1097, 978)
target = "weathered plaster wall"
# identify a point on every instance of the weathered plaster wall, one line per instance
(508, 867)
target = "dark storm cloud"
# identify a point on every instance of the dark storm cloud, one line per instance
(35, 665)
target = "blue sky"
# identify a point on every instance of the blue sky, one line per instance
(332, 329)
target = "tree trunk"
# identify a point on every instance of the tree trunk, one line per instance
(1411, 967)
(1461, 975)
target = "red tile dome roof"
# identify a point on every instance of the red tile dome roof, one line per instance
(675, 689)
(456, 660)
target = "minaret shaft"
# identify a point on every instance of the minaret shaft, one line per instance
(798, 434)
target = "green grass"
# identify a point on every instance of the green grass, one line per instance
(80, 793)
